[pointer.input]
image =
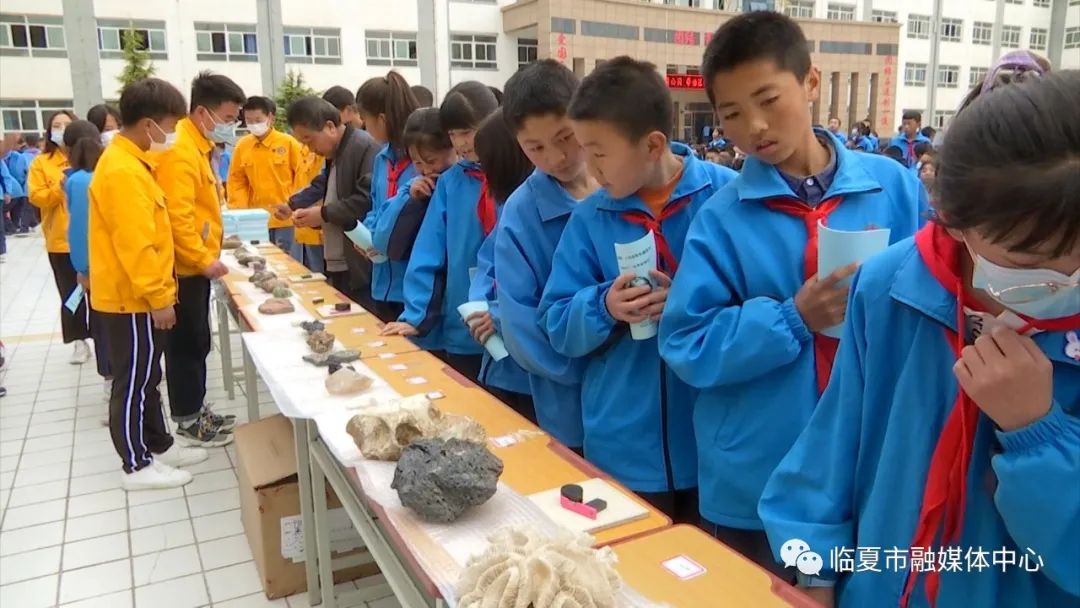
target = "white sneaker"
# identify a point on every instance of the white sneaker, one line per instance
(157, 476)
(180, 456)
(81, 354)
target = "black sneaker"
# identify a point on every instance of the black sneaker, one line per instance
(225, 422)
(203, 433)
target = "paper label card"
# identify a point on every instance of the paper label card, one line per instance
(417, 380)
(434, 395)
(387, 355)
(399, 367)
(683, 567)
(504, 441)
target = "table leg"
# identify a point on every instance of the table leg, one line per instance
(251, 386)
(302, 436)
(225, 346)
(321, 531)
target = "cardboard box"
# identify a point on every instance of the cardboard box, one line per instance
(270, 510)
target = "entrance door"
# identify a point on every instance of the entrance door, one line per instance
(696, 117)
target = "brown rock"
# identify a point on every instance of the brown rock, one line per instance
(276, 306)
(231, 242)
(320, 341)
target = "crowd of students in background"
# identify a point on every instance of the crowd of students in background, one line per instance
(946, 413)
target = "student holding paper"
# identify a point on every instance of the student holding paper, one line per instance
(83, 141)
(636, 412)
(384, 104)
(460, 215)
(506, 167)
(532, 221)
(953, 421)
(745, 315)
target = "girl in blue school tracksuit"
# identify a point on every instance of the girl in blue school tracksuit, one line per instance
(505, 168)
(530, 227)
(731, 328)
(636, 412)
(914, 445)
(385, 103)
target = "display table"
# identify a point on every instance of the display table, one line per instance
(533, 462)
(723, 573)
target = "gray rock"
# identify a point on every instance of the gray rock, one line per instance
(339, 357)
(440, 479)
(312, 326)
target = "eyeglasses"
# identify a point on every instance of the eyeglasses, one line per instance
(1023, 294)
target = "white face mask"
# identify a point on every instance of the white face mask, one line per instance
(170, 139)
(1038, 293)
(57, 136)
(107, 136)
(258, 129)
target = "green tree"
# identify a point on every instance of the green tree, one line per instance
(292, 87)
(137, 64)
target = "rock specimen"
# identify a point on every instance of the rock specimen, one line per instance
(258, 266)
(383, 431)
(263, 275)
(248, 260)
(521, 568)
(347, 381)
(320, 341)
(276, 306)
(312, 326)
(339, 357)
(281, 292)
(231, 242)
(439, 479)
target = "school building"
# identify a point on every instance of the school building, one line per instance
(857, 60)
(878, 57)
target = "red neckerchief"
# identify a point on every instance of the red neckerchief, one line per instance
(485, 204)
(824, 346)
(911, 151)
(393, 174)
(945, 493)
(665, 259)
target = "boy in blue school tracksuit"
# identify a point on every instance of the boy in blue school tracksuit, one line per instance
(745, 312)
(910, 136)
(636, 412)
(458, 218)
(533, 219)
(950, 429)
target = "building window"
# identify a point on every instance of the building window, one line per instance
(884, 17)
(312, 45)
(226, 42)
(1010, 36)
(1042, 3)
(942, 118)
(527, 51)
(686, 3)
(976, 76)
(1021, 2)
(1038, 38)
(846, 48)
(841, 12)
(982, 32)
(952, 30)
(560, 25)
(800, 9)
(1072, 36)
(32, 35)
(150, 36)
(948, 76)
(918, 26)
(602, 29)
(473, 51)
(390, 48)
(915, 74)
(28, 115)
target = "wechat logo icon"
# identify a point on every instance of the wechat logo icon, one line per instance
(796, 553)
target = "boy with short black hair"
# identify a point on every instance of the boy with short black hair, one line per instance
(636, 412)
(132, 284)
(910, 134)
(745, 314)
(535, 107)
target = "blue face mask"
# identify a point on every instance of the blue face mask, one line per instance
(1038, 293)
(222, 133)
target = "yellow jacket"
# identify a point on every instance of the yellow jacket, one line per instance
(262, 173)
(311, 164)
(44, 189)
(193, 197)
(130, 240)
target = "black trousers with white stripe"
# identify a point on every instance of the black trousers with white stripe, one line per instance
(136, 417)
(75, 326)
